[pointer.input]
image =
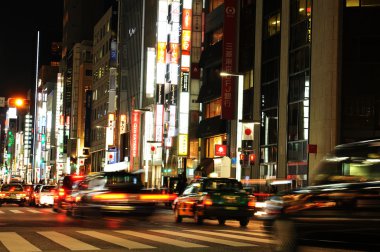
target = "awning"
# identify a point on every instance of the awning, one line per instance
(211, 127)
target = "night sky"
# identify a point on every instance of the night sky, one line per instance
(19, 21)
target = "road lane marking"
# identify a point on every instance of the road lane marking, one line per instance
(166, 240)
(1, 212)
(204, 238)
(262, 240)
(116, 240)
(67, 241)
(16, 243)
(33, 211)
(246, 233)
(16, 211)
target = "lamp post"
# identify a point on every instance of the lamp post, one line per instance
(239, 112)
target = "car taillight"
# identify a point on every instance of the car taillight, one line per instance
(110, 196)
(61, 192)
(207, 200)
(252, 202)
(2, 194)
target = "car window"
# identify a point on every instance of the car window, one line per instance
(47, 188)
(188, 190)
(222, 185)
(10, 188)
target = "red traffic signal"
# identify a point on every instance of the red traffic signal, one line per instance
(252, 159)
(17, 102)
(242, 157)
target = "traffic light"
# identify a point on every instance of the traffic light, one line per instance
(252, 159)
(242, 157)
(18, 103)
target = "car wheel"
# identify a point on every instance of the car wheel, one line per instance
(177, 216)
(198, 219)
(284, 235)
(244, 222)
(221, 221)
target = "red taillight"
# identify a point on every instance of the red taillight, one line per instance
(207, 201)
(252, 202)
(111, 196)
(61, 192)
(155, 197)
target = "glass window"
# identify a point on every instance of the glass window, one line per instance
(210, 145)
(213, 4)
(214, 108)
(272, 25)
(269, 95)
(217, 36)
(298, 121)
(297, 151)
(269, 121)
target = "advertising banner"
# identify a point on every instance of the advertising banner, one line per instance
(229, 60)
(135, 140)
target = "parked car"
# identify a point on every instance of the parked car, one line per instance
(62, 196)
(13, 194)
(214, 198)
(342, 206)
(45, 196)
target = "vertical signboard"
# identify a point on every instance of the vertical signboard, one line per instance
(150, 65)
(229, 59)
(135, 140)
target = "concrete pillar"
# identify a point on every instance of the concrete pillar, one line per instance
(325, 79)
(283, 91)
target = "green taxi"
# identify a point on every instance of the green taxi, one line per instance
(215, 198)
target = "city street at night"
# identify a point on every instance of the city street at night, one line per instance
(30, 229)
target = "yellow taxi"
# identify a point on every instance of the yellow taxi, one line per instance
(215, 198)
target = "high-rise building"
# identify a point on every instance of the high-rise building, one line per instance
(308, 84)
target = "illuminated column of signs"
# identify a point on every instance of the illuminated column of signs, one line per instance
(110, 148)
(59, 123)
(183, 127)
(28, 144)
(173, 65)
(160, 68)
(134, 141)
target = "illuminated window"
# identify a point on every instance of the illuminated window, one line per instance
(194, 146)
(210, 145)
(273, 25)
(213, 4)
(352, 3)
(213, 108)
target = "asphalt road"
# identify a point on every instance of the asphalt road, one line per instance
(27, 229)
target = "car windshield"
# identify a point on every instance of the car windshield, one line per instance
(11, 188)
(47, 188)
(222, 185)
(335, 169)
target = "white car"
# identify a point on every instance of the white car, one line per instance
(45, 196)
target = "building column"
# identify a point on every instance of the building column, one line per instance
(257, 86)
(325, 78)
(283, 91)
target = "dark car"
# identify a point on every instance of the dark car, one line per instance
(62, 194)
(113, 192)
(215, 198)
(13, 194)
(341, 207)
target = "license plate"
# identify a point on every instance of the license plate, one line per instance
(231, 208)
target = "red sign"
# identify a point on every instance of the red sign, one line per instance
(186, 19)
(312, 148)
(135, 137)
(229, 60)
(220, 150)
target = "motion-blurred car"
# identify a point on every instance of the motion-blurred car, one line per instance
(263, 189)
(29, 191)
(341, 207)
(62, 196)
(45, 196)
(13, 194)
(116, 192)
(32, 200)
(214, 198)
